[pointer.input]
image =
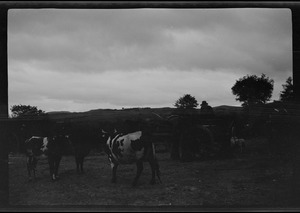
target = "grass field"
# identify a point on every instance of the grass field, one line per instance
(253, 179)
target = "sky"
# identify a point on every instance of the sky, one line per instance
(82, 59)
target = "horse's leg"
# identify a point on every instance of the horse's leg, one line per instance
(153, 170)
(34, 163)
(81, 164)
(139, 165)
(114, 167)
(51, 162)
(29, 168)
(57, 162)
(77, 164)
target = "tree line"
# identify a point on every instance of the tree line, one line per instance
(250, 90)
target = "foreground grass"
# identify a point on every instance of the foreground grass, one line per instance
(251, 180)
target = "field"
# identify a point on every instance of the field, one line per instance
(253, 179)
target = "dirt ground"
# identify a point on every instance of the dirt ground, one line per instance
(253, 179)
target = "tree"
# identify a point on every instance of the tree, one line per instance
(205, 108)
(25, 110)
(252, 90)
(288, 90)
(186, 102)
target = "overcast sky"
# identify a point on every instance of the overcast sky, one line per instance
(78, 60)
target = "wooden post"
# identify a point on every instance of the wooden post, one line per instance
(296, 51)
(296, 105)
(3, 109)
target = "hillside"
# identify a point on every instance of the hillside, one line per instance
(111, 114)
(131, 113)
(224, 109)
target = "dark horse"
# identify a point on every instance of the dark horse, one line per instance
(83, 142)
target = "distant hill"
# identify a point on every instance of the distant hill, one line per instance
(111, 114)
(130, 113)
(224, 109)
(58, 112)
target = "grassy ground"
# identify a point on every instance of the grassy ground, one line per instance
(252, 180)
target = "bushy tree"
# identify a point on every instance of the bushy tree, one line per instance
(186, 102)
(25, 110)
(253, 90)
(288, 90)
(205, 108)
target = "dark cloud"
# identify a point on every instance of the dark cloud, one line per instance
(90, 45)
(98, 40)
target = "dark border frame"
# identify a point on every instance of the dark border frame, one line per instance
(6, 5)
